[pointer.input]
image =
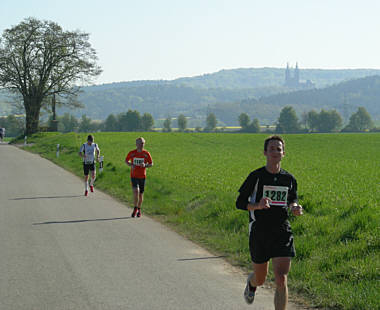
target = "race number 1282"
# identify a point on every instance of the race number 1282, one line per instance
(277, 194)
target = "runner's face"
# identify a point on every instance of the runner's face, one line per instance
(275, 151)
(140, 144)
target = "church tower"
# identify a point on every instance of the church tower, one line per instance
(296, 75)
(287, 74)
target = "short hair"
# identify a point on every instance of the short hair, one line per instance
(278, 138)
(141, 138)
(90, 138)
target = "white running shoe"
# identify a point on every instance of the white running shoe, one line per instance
(249, 292)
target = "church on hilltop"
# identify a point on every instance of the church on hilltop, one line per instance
(294, 81)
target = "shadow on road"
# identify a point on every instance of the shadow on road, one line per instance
(199, 258)
(83, 221)
(46, 197)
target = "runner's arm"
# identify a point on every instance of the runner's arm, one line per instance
(245, 191)
(150, 162)
(81, 151)
(97, 152)
(128, 161)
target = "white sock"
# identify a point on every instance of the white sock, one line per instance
(92, 181)
(86, 185)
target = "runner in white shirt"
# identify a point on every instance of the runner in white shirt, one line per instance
(2, 134)
(89, 152)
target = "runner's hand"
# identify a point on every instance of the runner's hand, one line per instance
(264, 203)
(297, 210)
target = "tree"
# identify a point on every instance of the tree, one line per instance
(122, 121)
(312, 119)
(329, 121)
(130, 121)
(133, 120)
(38, 59)
(85, 124)
(288, 121)
(13, 125)
(182, 122)
(147, 122)
(211, 122)
(69, 123)
(360, 121)
(110, 124)
(167, 124)
(254, 126)
(244, 121)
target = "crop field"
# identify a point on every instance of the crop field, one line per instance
(193, 185)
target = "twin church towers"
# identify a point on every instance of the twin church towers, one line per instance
(293, 81)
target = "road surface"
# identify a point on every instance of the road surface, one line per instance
(61, 250)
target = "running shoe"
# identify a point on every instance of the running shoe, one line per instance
(138, 212)
(92, 188)
(249, 292)
(134, 212)
(86, 193)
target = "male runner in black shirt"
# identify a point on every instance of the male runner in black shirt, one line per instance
(267, 194)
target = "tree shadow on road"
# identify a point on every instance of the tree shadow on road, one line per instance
(199, 258)
(83, 221)
(46, 197)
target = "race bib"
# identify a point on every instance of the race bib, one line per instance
(138, 161)
(278, 195)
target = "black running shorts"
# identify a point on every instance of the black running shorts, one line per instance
(138, 183)
(88, 167)
(265, 245)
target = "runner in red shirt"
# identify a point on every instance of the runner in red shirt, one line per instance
(138, 159)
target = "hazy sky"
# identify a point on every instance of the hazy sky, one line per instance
(167, 39)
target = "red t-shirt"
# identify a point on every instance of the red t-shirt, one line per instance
(137, 158)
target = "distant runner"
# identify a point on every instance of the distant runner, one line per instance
(138, 159)
(89, 152)
(268, 193)
(2, 134)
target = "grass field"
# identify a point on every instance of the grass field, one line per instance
(193, 187)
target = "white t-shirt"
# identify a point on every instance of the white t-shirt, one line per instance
(89, 151)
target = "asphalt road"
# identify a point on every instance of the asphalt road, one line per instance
(61, 250)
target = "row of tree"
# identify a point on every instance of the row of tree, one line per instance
(211, 123)
(288, 122)
(312, 121)
(128, 121)
(13, 125)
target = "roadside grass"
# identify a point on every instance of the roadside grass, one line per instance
(193, 187)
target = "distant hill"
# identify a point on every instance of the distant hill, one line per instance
(252, 78)
(160, 100)
(345, 97)
(259, 92)
(164, 98)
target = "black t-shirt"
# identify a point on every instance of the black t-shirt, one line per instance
(280, 187)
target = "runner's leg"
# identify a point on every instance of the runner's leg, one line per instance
(281, 268)
(93, 177)
(86, 182)
(140, 200)
(260, 272)
(136, 193)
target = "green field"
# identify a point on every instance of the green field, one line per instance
(193, 187)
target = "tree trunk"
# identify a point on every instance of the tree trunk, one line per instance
(32, 111)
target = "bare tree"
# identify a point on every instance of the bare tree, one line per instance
(38, 60)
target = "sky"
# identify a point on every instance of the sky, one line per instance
(168, 39)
